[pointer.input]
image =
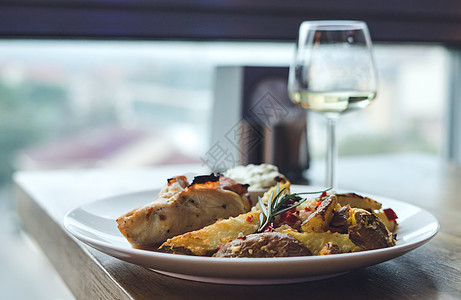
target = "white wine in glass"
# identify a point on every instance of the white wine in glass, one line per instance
(332, 73)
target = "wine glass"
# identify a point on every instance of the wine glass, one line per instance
(333, 72)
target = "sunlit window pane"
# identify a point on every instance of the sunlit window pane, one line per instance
(73, 104)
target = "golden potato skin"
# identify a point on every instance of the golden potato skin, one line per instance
(391, 225)
(319, 221)
(369, 232)
(358, 201)
(206, 240)
(266, 244)
(315, 241)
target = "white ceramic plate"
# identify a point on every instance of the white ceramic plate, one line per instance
(94, 224)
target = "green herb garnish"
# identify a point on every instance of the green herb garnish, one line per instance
(279, 204)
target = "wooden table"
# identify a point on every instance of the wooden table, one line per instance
(432, 271)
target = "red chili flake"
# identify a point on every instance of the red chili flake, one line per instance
(307, 208)
(269, 227)
(390, 214)
(242, 238)
(319, 202)
(288, 218)
(222, 245)
(324, 194)
(250, 218)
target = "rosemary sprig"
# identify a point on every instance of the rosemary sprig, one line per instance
(279, 204)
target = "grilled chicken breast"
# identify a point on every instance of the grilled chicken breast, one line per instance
(180, 208)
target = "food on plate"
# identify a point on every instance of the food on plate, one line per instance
(387, 216)
(316, 241)
(330, 248)
(368, 232)
(182, 207)
(320, 219)
(267, 244)
(258, 177)
(322, 225)
(206, 241)
(358, 201)
(362, 231)
(212, 217)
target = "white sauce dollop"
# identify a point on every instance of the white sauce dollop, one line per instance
(257, 176)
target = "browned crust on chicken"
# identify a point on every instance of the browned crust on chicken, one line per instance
(180, 208)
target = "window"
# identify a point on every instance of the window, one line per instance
(72, 104)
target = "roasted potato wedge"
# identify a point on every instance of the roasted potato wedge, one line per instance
(391, 225)
(368, 231)
(315, 241)
(266, 244)
(319, 221)
(358, 201)
(205, 241)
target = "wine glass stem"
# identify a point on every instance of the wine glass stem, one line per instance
(332, 155)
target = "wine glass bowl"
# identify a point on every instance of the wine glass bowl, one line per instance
(333, 72)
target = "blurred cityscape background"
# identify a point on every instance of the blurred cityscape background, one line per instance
(74, 104)
(81, 104)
